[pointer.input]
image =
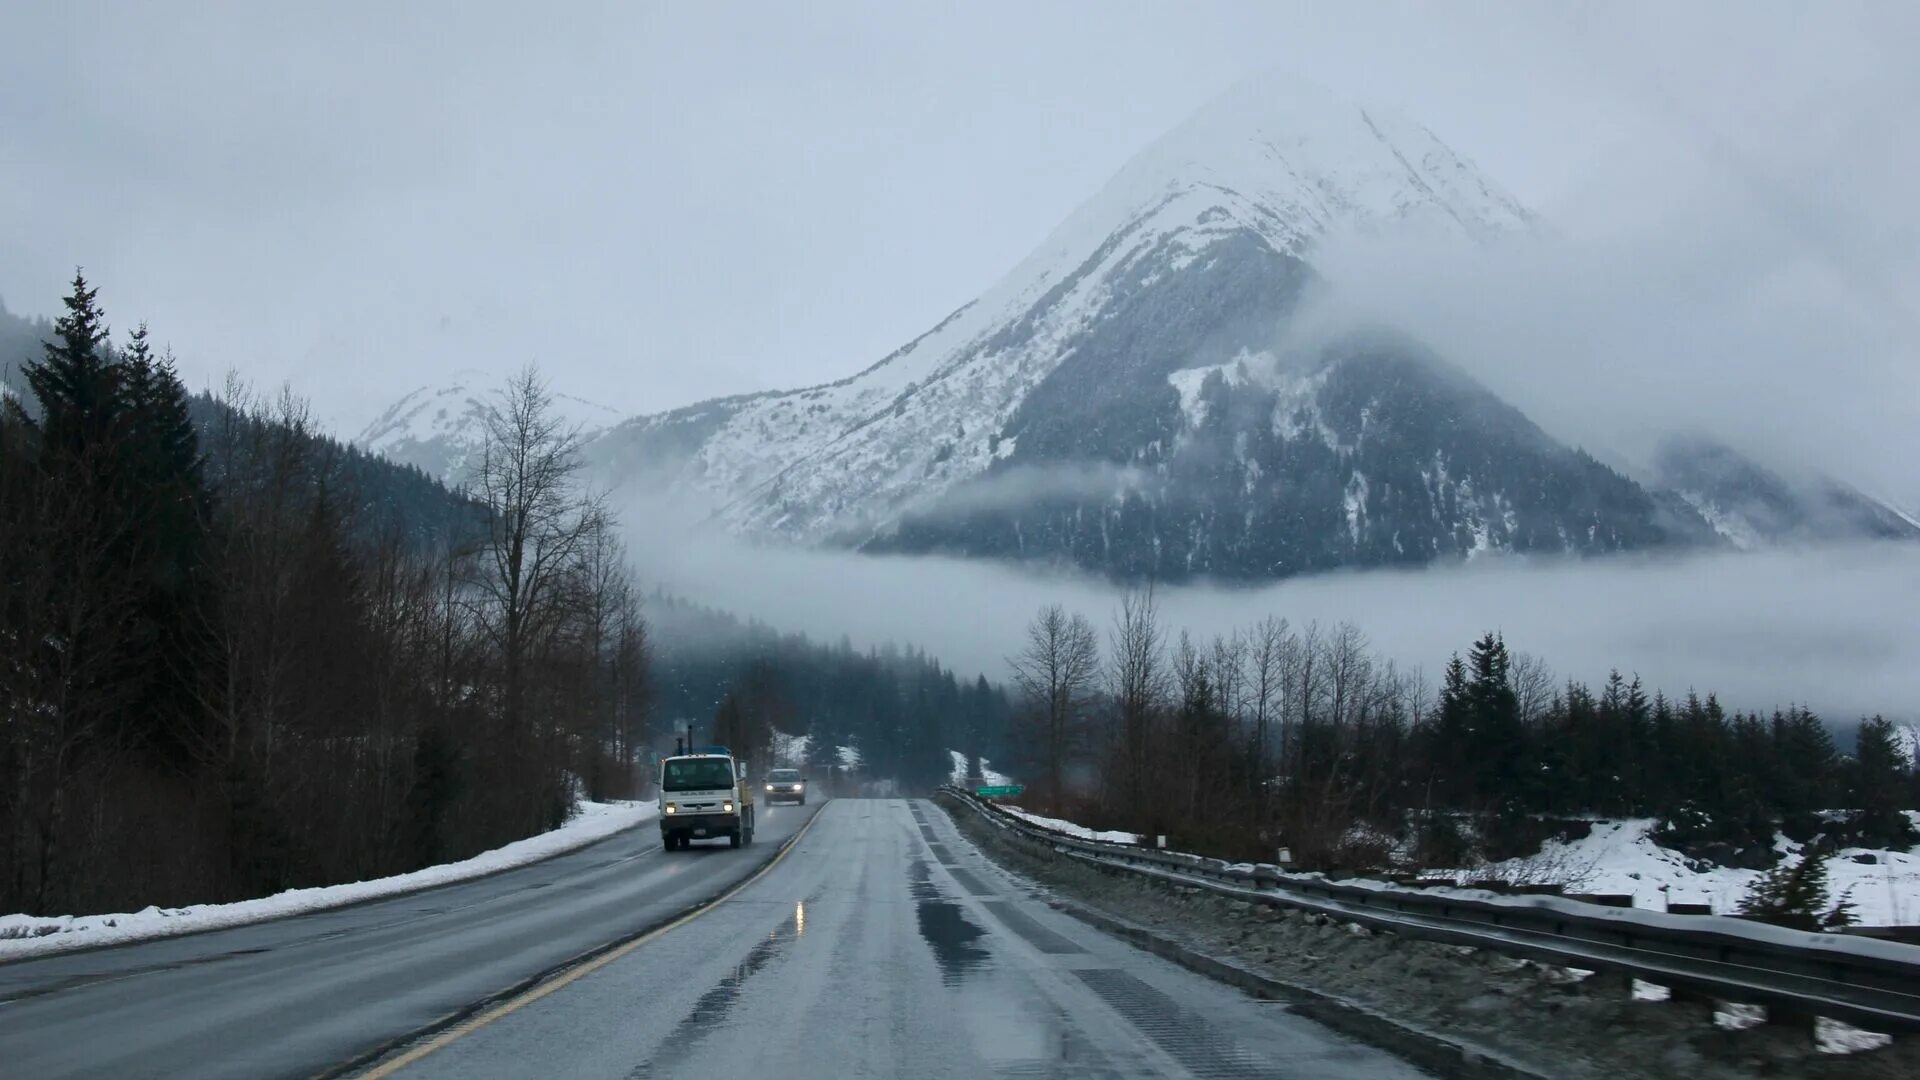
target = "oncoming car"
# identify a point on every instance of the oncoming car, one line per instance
(785, 785)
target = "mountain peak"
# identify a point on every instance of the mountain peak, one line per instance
(1194, 252)
(439, 428)
(1294, 162)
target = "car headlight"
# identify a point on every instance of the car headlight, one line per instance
(726, 808)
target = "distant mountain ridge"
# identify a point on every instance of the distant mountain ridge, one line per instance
(438, 429)
(1752, 506)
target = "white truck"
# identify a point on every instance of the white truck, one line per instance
(704, 796)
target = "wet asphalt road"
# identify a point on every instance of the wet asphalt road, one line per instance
(885, 945)
(298, 996)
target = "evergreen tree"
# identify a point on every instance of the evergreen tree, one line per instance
(74, 382)
(1876, 781)
(1499, 739)
(1791, 895)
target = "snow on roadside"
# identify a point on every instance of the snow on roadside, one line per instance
(22, 936)
(1080, 831)
(1621, 857)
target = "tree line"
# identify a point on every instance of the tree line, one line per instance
(238, 657)
(899, 708)
(1303, 737)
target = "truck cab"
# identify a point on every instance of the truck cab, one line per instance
(704, 796)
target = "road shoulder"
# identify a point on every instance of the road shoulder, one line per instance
(1531, 1017)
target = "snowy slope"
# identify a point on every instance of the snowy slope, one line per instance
(988, 775)
(1751, 506)
(1620, 857)
(440, 428)
(1273, 160)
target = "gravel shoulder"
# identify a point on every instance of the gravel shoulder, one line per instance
(1549, 1020)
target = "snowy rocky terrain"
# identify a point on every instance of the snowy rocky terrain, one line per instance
(1143, 397)
(439, 429)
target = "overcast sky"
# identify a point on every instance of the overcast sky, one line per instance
(663, 202)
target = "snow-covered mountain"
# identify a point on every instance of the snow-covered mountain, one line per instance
(1123, 399)
(1216, 216)
(1141, 395)
(440, 428)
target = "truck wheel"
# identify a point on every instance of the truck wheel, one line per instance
(733, 838)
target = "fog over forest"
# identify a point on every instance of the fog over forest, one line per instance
(1833, 627)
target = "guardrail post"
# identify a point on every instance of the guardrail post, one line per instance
(1780, 1016)
(1689, 996)
(1613, 983)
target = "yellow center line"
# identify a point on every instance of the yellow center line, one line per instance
(533, 994)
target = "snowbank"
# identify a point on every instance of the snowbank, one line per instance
(1069, 828)
(27, 935)
(1620, 857)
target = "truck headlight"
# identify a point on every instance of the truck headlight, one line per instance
(769, 787)
(672, 808)
(726, 808)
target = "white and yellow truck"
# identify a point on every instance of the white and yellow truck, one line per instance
(704, 796)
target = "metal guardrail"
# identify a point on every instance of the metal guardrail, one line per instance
(1870, 984)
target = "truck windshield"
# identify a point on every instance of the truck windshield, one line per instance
(698, 774)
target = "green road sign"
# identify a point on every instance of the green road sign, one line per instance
(992, 790)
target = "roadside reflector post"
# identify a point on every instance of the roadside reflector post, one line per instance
(1160, 841)
(1285, 856)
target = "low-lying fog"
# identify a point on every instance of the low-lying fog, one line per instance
(1837, 628)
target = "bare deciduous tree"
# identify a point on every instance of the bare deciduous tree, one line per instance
(1137, 682)
(1533, 686)
(1268, 647)
(1056, 672)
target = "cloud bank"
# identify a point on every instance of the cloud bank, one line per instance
(1837, 628)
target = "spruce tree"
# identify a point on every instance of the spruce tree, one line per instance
(1452, 738)
(1793, 895)
(1499, 740)
(1876, 778)
(74, 382)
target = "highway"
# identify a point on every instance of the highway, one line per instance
(880, 944)
(301, 996)
(885, 945)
